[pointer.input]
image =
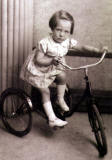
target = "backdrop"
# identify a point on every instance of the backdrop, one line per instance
(93, 26)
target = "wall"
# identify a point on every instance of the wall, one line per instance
(16, 26)
(93, 26)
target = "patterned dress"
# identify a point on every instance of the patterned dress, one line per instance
(42, 77)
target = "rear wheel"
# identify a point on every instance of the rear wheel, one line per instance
(97, 125)
(16, 113)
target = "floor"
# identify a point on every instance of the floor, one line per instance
(73, 142)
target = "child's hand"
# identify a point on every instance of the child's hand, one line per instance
(57, 60)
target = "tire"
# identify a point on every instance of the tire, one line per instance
(16, 113)
(97, 125)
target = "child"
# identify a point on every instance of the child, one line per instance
(43, 67)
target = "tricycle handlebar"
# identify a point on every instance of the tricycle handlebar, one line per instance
(86, 66)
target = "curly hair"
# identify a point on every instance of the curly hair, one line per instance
(61, 15)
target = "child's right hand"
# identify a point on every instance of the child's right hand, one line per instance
(56, 60)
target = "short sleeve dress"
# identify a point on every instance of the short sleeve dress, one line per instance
(42, 77)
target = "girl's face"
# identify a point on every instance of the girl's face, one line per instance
(61, 31)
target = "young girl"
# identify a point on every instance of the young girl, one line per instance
(43, 67)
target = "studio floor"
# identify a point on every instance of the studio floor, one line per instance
(73, 142)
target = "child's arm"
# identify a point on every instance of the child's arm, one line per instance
(86, 48)
(41, 59)
(77, 47)
(44, 60)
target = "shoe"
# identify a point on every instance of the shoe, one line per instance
(57, 123)
(63, 105)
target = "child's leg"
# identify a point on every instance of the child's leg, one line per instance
(47, 103)
(53, 120)
(61, 86)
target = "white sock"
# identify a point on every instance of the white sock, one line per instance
(49, 111)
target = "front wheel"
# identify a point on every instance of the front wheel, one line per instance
(16, 113)
(97, 125)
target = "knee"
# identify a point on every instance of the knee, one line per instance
(61, 78)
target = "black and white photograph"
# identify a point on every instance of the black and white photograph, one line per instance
(55, 80)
